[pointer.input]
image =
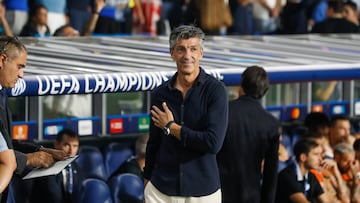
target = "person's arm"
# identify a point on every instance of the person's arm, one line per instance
(325, 94)
(323, 198)
(298, 197)
(4, 22)
(7, 168)
(355, 186)
(270, 168)
(7, 164)
(210, 139)
(90, 26)
(140, 12)
(342, 191)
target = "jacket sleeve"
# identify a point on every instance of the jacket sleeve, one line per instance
(21, 160)
(210, 139)
(270, 169)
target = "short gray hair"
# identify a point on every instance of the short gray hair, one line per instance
(11, 46)
(186, 32)
(343, 148)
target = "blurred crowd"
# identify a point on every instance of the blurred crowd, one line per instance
(157, 17)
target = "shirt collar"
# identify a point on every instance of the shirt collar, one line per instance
(200, 79)
(299, 176)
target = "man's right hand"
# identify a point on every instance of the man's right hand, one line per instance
(39, 159)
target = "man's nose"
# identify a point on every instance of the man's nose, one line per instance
(21, 73)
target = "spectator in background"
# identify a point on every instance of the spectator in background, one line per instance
(117, 17)
(295, 183)
(63, 187)
(37, 23)
(56, 12)
(356, 147)
(4, 28)
(266, 16)
(330, 179)
(294, 17)
(328, 174)
(316, 12)
(16, 14)
(151, 15)
(210, 15)
(79, 12)
(317, 124)
(243, 20)
(335, 21)
(326, 91)
(172, 12)
(69, 31)
(340, 131)
(136, 164)
(344, 155)
(350, 12)
(240, 163)
(189, 116)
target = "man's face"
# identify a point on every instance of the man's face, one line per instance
(69, 145)
(350, 14)
(41, 16)
(345, 161)
(339, 132)
(12, 69)
(313, 158)
(187, 54)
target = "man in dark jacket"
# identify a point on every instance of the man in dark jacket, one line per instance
(252, 136)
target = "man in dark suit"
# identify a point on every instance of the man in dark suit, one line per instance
(252, 136)
(13, 57)
(60, 188)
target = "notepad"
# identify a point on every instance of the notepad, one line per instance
(52, 170)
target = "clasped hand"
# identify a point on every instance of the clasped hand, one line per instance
(161, 118)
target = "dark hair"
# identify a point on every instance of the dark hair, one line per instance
(11, 46)
(356, 144)
(35, 10)
(336, 118)
(303, 146)
(255, 82)
(68, 132)
(336, 5)
(315, 120)
(186, 32)
(352, 5)
(60, 31)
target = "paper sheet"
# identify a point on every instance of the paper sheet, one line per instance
(53, 170)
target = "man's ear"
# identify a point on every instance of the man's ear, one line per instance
(3, 57)
(303, 157)
(171, 53)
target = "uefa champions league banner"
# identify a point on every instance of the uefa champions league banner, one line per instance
(89, 83)
(40, 85)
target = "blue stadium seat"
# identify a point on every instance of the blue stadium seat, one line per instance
(115, 155)
(94, 190)
(127, 188)
(91, 162)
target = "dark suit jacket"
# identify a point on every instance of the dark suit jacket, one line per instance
(19, 147)
(252, 135)
(51, 188)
